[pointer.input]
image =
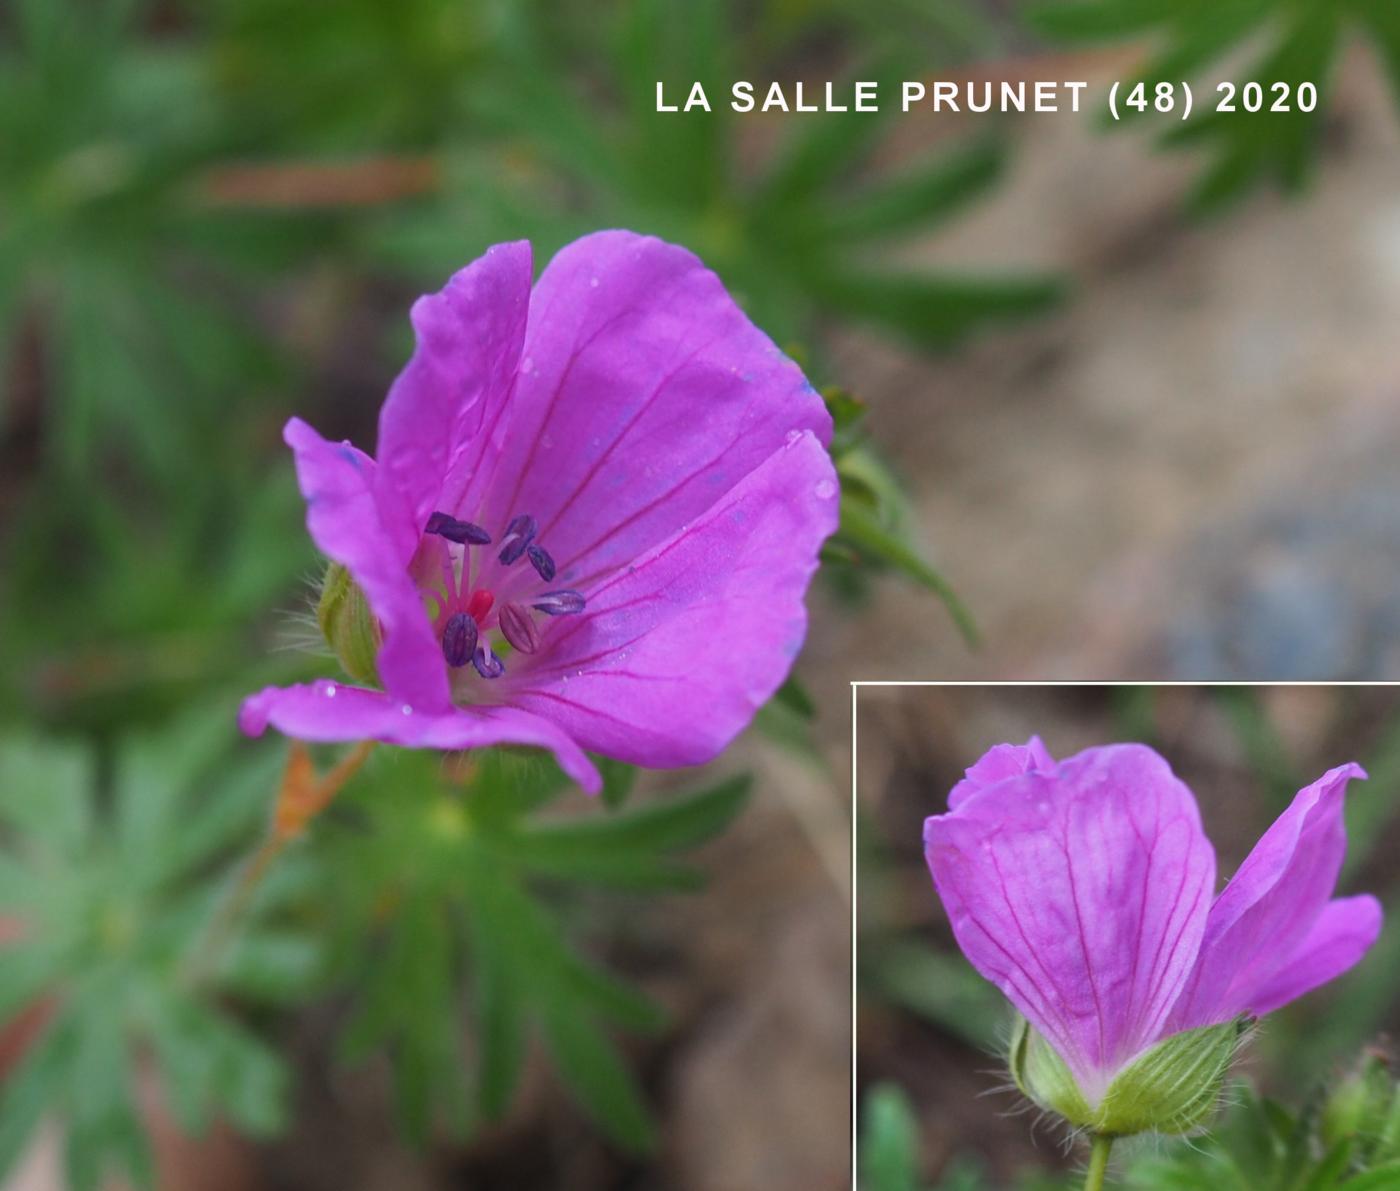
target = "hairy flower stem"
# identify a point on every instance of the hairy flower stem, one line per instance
(1098, 1162)
(301, 797)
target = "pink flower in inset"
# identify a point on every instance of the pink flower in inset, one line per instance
(617, 474)
(1083, 890)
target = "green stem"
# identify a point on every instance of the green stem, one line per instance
(297, 805)
(1098, 1162)
(223, 925)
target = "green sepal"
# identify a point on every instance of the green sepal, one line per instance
(1170, 1088)
(1174, 1086)
(348, 625)
(1044, 1077)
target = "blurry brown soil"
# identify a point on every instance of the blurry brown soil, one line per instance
(1065, 473)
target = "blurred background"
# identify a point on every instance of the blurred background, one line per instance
(1131, 390)
(930, 1030)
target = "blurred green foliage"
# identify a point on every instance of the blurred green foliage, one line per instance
(442, 900)
(453, 882)
(129, 291)
(1292, 42)
(569, 137)
(110, 865)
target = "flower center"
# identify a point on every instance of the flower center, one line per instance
(469, 610)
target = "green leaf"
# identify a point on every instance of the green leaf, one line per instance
(935, 311)
(508, 783)
(409, 1003)
(1267, 41)
(889, 1141)
(938, 987)
(823, 149)
(795, 697)
(270, 965)
(1094, 20)
(862, 531)
(610, 997)
(629, 848)
(619, 779)
(500, 996)
(921, 198)
(104, 947)
(39, 1082)
(603, 1085)
(1330, 1170)
(45, 792)
(525, 972)
(1263, 746)
(847, 412)
(155, 772)
(1382, 20)
(29, 967)
(1378, 1178)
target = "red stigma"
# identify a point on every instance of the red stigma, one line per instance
(480, 604)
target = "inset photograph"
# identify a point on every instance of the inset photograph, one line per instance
(1126, 937)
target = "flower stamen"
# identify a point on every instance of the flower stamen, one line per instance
(459, 638)
(487, 664)
(559, 603)
(466, 615)
(464, 533)
(541, 561)
(519, 534)
(518, 627)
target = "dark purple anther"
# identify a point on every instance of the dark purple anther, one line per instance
(459, 639)
(487, 664)
(540, 560)
(558, 603)
(462, 532)
(519, 533)
(518, 627)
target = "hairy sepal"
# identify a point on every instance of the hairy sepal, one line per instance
(1172, 1087)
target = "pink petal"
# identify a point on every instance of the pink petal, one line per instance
(1002, 761)
(676, 652)
(469, 336)
(1266, 911)
(327, 711)
(644, 395)
(352, 527)
(1082, 894)
(1342, 934)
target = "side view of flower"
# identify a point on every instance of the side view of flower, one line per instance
(593, 515)
(1085, 891)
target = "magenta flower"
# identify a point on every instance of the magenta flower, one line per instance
(1083, 890)
(616, 475)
